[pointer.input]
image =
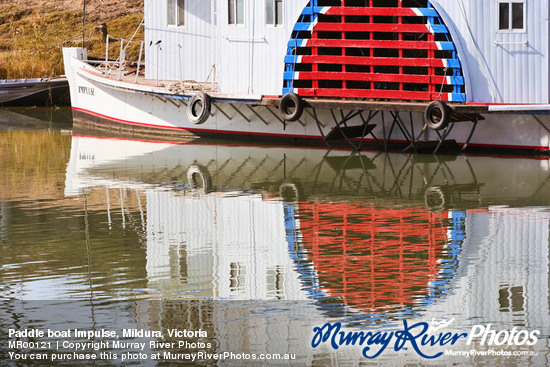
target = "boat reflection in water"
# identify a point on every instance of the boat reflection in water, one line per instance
(366, 240)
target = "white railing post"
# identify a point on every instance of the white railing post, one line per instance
(120, 59)
(181, 70)
(139, 60)
(158, 54)
(106, 54)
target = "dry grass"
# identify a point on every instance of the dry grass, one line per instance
(123, 27)
(31, 40)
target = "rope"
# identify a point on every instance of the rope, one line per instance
(442, 84)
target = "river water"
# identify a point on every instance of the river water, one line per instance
(245, 250)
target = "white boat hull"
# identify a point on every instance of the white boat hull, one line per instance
(139, 108)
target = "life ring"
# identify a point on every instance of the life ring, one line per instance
(435, 198)
(437, 115)
(199, 178)
(198, 110)
(291, 107)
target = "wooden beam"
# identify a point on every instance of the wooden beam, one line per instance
(358, 105)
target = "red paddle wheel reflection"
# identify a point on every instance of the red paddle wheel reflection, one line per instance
(374, 259)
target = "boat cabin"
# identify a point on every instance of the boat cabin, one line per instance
(493, 51)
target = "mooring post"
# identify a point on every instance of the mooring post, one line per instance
(120, 59)
(139, 60)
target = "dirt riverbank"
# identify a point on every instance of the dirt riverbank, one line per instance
(32, 33)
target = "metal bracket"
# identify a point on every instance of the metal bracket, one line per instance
(239, 112)
(217, 105)
(258, 115)
(275, 115)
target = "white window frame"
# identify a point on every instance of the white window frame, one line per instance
(177, 14)
(510, 15)
(278, 22)
(235, 12)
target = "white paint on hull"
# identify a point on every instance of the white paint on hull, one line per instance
(140, 105)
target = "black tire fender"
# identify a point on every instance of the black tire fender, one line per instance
(437, 115)
(198, 109)
(291, 107)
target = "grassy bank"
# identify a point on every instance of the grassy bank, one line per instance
(31, 39)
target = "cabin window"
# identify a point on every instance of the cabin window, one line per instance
(511, 15)
(274, 12)
(176, 13)
(236, 12)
